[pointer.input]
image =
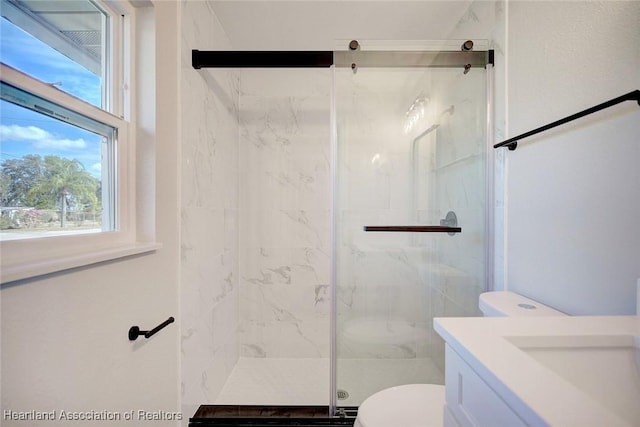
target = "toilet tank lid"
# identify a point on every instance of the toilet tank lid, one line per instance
(505, 303)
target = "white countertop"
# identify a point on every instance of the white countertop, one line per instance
(537, 393)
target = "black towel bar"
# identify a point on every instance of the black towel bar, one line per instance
(135, 332)
(413, 228)
(512, 143)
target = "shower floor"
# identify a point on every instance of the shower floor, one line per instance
(264, 381)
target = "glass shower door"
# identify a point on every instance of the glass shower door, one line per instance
(410, 150)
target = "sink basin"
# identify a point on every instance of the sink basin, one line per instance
(606, 367)
(554, 371)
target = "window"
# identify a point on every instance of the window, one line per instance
(46, 187)
(63, 43)
(67, 156)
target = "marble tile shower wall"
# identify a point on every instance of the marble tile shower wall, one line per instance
(385, 178)
(285, 199)
(379, 286)
(459, 170)
(209, 223)
(483, 20)
(487, 20)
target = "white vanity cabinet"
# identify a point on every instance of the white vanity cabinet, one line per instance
(543, 371)
(470, 402)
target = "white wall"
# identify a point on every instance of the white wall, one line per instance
(64, 336)
(573, 194)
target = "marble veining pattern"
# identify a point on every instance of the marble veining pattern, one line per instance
(284, 237)
(255, 246)
(209, 214)
(389, 177)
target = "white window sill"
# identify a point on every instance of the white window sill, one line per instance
(54, 264)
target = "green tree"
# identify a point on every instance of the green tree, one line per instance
(67, 183)
(17, 177)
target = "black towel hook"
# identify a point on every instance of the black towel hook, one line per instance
(135, 332)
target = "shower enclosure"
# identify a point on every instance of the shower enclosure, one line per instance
(410, 213)
(363, 213)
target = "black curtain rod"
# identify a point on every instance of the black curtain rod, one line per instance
(512, 143)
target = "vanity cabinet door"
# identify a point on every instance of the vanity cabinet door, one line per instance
(470, 401)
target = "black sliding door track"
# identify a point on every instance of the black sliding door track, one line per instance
(261, 59)
(325, 59)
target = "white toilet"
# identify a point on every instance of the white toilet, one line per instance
(421, 405)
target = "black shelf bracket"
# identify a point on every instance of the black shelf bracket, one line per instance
(512, 143)
(135, 332)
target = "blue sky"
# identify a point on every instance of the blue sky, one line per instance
(26, 132)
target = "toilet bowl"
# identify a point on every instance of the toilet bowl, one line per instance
(411, 405)
(422, 405)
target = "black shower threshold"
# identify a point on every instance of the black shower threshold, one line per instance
(271, 416)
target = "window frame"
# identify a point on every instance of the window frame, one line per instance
(35, 256)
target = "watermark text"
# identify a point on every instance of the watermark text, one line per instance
(102, 415)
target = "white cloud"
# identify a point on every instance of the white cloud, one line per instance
(23, 133)
(39, 137)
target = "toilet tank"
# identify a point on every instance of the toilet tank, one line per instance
(504, 303)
